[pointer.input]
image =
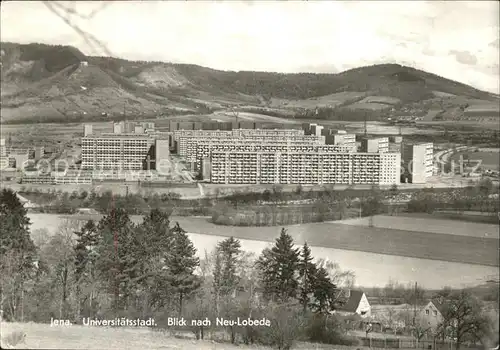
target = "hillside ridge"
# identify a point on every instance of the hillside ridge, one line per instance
(37, 76)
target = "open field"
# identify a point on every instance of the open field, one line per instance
(43, 336)
(460, 217)
(489, 160)
(247, 116)
(428, 224)
(435, 245)
(380, 99)
(360, 249)
(330, 100)
(484, 124)
(370, 105)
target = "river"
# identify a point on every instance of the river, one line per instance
(371, 269)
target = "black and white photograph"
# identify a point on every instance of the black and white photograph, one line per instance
(251, 175)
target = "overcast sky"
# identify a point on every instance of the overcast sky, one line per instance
(457, 40)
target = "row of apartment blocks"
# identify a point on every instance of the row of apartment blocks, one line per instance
(185, 142)
(71, 176)
(217, 153)
(86, 177)
(311, 167)
(124, 127)
(311, 155)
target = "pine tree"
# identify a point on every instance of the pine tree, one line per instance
(154, 243)
(325, 292)
(17, 253)
(118, 260)
(83, 249)
(156, 233)
(278, 267)
(86, 241)
(14, 230)
(181, 263)
(307, 273)
(229, 251)
(217, 280)
(227, 255)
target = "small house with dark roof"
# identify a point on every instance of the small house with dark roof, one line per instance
(431, 314)
(356, 304)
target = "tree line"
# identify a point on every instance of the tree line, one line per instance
(275, 206)
(115, 268)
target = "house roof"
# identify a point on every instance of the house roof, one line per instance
(353, 302)
(439, 304)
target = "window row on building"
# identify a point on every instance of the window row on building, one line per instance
(108, 152)
(312, 167)
(199, 149)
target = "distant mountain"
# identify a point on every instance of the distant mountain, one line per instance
(42, 82)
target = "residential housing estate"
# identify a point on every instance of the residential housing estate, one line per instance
(225, 155)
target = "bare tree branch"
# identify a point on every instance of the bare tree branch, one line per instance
(65, 14)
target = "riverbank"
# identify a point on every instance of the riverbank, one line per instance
(407, 243)
(371, 269)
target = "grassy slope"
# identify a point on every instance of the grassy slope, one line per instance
(42, 336)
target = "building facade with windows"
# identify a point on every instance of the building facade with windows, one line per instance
(341, 138)
(390, 168)
(188, 146)
(323, 165)
(115, 151)
(418, 161)
(181, 138)
(204, 148)
(374, 145)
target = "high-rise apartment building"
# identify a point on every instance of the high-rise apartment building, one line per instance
(390, 168)
(375, 145)
(115, 151)
(4, 161)
(316, 129)
(187, 145)
(3, 148)
(341, 138)
(162, 153)
(19, 158)
(418, 161)
(316, 167)
(205, 149)
(202, 148)
(128, 127)
(396, 139)
(39, 152)
(118, 128)
(87, 130)
(241, 133)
